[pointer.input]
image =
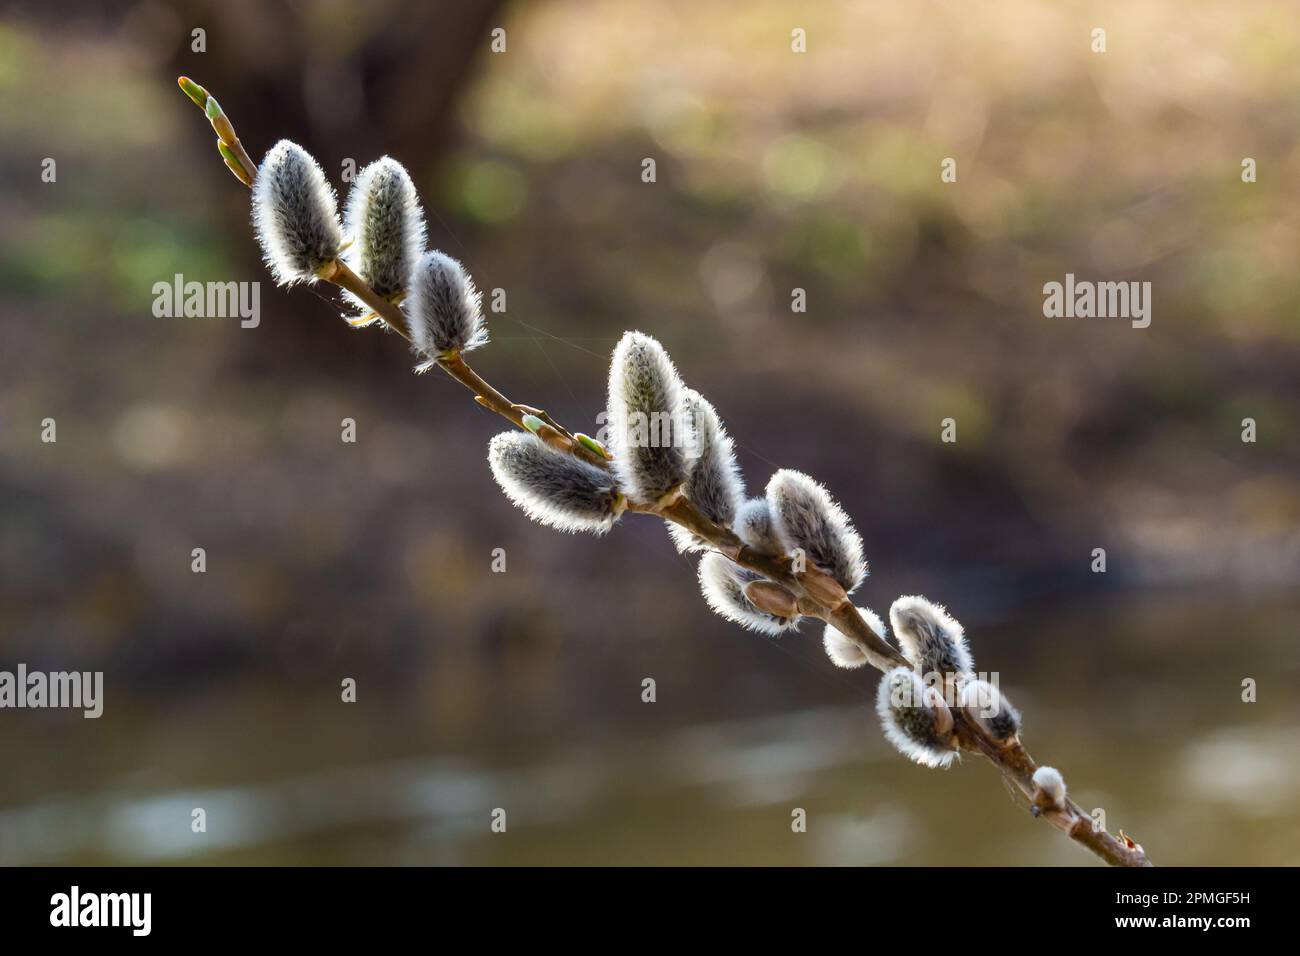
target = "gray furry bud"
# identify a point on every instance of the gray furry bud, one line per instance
(384, 220)
(930, 638)
(443, 308)
(723, 585)
(843, 650)
(985, 703)
(915, 719)
(714, 484)
(554, 488)
(753, 524)
(1050, 787)
(645, 421)
(805, 516)
(295, 214)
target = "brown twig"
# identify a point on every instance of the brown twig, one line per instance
(1018, 767)
(817, 595)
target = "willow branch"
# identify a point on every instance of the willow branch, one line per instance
(818, 594)
(1018, 767)
(338, 273)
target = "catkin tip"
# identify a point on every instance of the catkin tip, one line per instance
(915, 719)
(990, 709)
(930, 638)
(1051, 786)
(444, 308)
(805, 516)
(295, 214)
(646, 421)
(553, 488)
(714, 484)
(385, 223)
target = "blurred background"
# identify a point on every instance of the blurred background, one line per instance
(775, 170)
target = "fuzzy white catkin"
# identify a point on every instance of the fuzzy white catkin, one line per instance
(384, 220)
(645, 420)
(986, 704)
(753, 525)
(930, 638)
(804, 515)
(723, 582)
(909, 722)
(295, 214)
(714, 484)
(443, 308)
(1050, 781)
(554, 489)
(845, 652)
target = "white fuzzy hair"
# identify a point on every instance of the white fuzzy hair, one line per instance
(443, 308)
(1050, 781)
(753, 525)
(384, 220)
(804, 515)
(295, 214)
(645, 398)
(930, 638)
(909, 722)
(844, 651)
(723, 585)
(554, 489)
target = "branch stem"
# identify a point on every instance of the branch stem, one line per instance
(815, 598)
(340, 274)
(1018, 767)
